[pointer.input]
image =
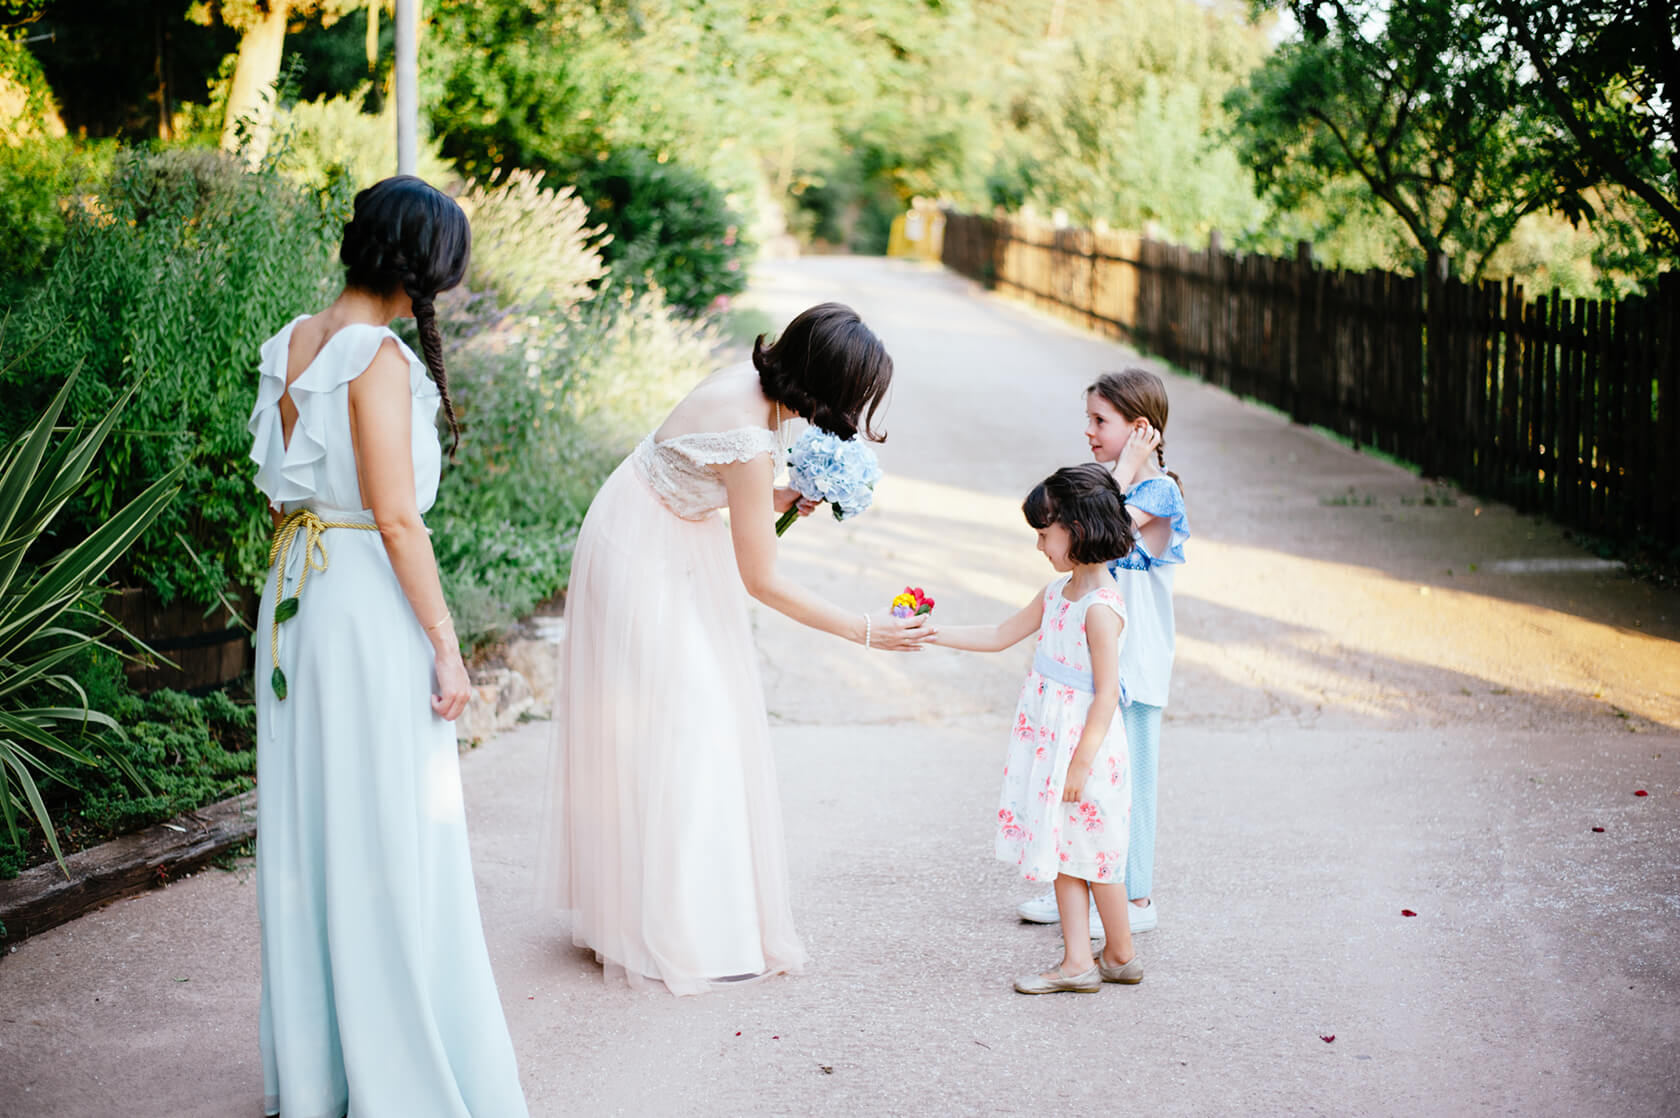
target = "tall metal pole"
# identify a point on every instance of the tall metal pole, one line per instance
(408, 96)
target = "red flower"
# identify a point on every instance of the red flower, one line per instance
(1407, 912)
(1642, 792)
(924, 604)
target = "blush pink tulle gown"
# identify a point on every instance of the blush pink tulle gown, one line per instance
(662, 840)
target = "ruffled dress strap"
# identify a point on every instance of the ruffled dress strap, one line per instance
(294, 472)
(1159, 497)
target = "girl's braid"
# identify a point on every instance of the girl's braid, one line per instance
(431, 349)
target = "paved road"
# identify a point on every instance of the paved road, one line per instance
(1379, 705)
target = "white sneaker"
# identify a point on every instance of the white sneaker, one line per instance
(1141, 919)
(1042, 910)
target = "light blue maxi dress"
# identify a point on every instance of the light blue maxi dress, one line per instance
(377, 996)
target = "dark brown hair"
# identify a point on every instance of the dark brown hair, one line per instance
(830, 368)
(407, 235)
(1139, 394)
(1086, 500)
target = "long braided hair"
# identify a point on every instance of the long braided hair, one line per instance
(1139, 394)
(406, 235)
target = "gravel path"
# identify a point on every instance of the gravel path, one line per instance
(1389, 696)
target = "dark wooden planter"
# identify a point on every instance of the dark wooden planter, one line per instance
(201, 649)
(44, 897)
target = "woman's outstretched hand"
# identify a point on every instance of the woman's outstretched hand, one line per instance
(900, 634)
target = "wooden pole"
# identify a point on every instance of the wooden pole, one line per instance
(407, 83)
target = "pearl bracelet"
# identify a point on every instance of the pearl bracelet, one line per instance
(867, 627)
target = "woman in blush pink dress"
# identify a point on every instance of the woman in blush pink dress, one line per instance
(663, 836)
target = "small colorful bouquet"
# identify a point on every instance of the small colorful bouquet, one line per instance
(824, 467)
(911, 602)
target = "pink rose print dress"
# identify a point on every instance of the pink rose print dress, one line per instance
(1036, 830)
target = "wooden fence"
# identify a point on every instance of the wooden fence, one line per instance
(199, 649)
(1569, 407)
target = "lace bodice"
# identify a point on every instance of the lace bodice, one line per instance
(681, 469)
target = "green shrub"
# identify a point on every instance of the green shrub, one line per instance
(28, 109)
(331, 141)
(173, 276)
(38, 183)
(532, 246)
(668, 225)
(549, 404)
(189, 752)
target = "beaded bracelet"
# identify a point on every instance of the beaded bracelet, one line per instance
(867, 627)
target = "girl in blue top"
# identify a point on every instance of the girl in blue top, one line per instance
(1126, 421)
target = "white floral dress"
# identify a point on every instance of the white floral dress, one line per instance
(1036, 830)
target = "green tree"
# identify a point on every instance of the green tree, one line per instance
(262, 38)
(1418, 100)
(1126, 128)
(1609, 73)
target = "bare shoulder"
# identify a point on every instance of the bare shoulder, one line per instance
(729, 399)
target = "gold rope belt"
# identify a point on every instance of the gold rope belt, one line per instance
(314, 558)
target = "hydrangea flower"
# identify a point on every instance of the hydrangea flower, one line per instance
(824, 467)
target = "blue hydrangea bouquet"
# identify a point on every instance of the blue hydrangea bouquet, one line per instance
(825, 467)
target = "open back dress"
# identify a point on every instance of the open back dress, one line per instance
(377, 996)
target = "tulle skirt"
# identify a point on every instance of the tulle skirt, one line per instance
(663, 840)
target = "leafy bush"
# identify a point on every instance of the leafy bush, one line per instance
(549, 404)
(190, 752)
(668, 225)
(330, 141)
(172, 277)
(38, 183)
(531, 244)
(28, 110)
(187, 752)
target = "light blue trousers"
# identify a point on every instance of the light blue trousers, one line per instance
(1143, 736)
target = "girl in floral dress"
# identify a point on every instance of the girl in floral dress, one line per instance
(1065, 812)
(1125, 424)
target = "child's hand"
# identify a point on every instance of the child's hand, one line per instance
(1077, 772)
(1140, 447)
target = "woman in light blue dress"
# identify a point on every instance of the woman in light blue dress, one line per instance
(377, 996)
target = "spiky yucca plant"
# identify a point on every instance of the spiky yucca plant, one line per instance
(48, 606)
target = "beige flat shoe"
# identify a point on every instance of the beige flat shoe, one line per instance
(1127, 974)
(1062, 983)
